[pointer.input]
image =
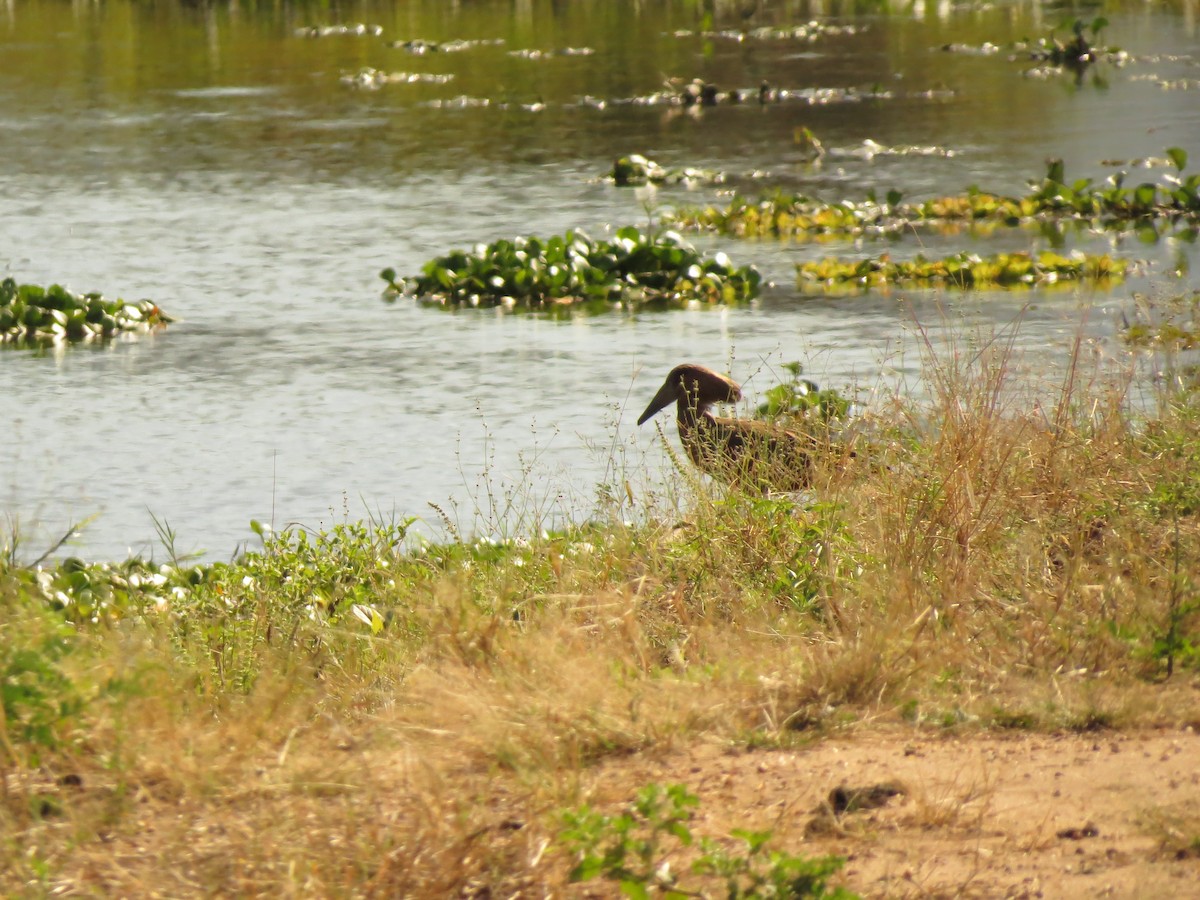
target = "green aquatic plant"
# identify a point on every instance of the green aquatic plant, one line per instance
(31, 314)
(965, 270)
(1074, 54)
(636, 169)
(358, 29)
(1109, 205)
(634, 269)
(371, 79)
(806, 32)
(784, 215)
(1079, 51)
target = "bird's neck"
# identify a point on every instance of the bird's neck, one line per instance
(690, 415)
(691, 412)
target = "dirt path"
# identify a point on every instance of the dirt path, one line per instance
(1071, 816)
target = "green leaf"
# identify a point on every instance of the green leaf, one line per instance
(1178, 156)
(1055, 170)
(681, 832)
(586, 869)
(1146, 194)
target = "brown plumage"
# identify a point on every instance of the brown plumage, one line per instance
(740, 451)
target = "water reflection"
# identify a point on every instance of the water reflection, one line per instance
(215, 162)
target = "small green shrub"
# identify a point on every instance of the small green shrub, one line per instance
(328, 574)
(635, 850)
(37, 695)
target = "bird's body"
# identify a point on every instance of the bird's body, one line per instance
(739, 451)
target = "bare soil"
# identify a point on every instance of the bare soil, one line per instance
(1065, 816)
(988, 815)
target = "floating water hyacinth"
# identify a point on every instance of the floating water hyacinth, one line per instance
(30, 314)
(636, 169)
(360, 29)
(420, 47)
(535, 55)
(633, 269)
(1108, 205)
(809, 31)
(373, 79)
(965, 270)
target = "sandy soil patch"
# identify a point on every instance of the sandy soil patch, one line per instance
(1020, 815)
(1077, 815)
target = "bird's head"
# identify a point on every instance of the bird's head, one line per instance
(695, 388)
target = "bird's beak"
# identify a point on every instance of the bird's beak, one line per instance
(667, 394)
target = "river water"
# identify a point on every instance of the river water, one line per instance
(212, 159)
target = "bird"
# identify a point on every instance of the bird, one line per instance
(739, 451)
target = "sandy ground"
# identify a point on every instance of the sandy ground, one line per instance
(916, 814)
(1077, 815)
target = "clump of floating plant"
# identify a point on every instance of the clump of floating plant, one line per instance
(31, 314)
(1078, 52)
(786, 215)
(1112, 204)
(419, 47)
(965, 270)
(1075, 54)
(809, 31)
(535, 55)
(1169, 84)
(636, 169)
(373, 79)
(698, 93)
(633, 269)
(870, 149)
(360, 29)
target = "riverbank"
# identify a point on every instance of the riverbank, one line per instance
(963, 662)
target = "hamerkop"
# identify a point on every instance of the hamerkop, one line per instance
(739, 451)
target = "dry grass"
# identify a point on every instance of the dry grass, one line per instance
(986, 561)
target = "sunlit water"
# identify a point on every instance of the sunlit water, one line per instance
(215, 163)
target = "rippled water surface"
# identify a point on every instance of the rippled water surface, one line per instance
(215, 161)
